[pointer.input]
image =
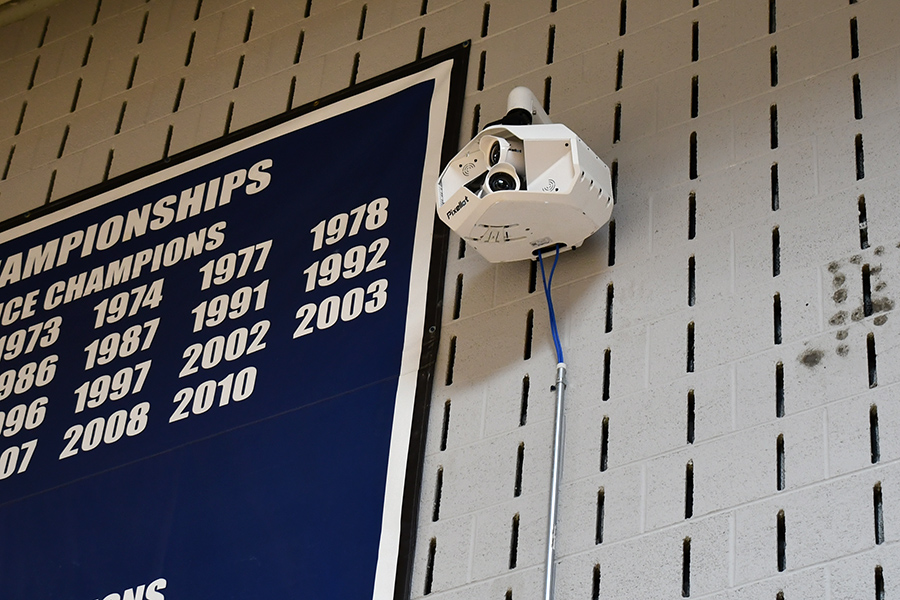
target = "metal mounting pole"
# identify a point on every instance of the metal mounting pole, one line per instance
(555, 475)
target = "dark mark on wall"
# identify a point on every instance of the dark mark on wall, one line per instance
(834, 266)
(811, 357)
(880, 320)
(841, 335)
(879, 250)
(840, 295)
(838, 319)
(843, 350)
(839, 280)
(856, 259)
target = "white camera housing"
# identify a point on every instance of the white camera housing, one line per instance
(516, 191)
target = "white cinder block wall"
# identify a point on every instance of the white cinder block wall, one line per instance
(733, 421)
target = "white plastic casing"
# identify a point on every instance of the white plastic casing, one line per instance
(564, 192)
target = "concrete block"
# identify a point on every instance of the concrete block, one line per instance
(854, 576)
(795, 12)
(719, 89)
(527, 584)
(210, 79)
(260, 100)
(756, 540)
(797, 177)
(447, 26)
(729, 471)
(836, 158)
(327, 31)
(622, 510)
(116, 74)
(510, 14)
(26, 145)
(80, 171)
(848, 435)
(492, 550)
(484, 474)
(796, 63)
(68, 172)
(109, 9)
(665, 484)
(67, 18)
(820, 370)
(713, 403)
(505, 398)
(828, 522)
(511, 281)
(139, 147)
(805, 451)
(338, 69)
(50, 101)
(710, 553)
(9, 40)
(877, 20)
(15, 75)
(282, 48)
(48, 143)
(645, 15)
(670, 49)
(645, 567)
(453, 539)
(117, 33)
(726, 25)
(10, 112)
(802, 243)
(814, 582)
(31, 30)
(387, 50)
(583, 26)
(92, 124)
(159, 57)
(24, 192)
(232, 27)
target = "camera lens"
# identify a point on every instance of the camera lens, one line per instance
(495, 154)
(501, 182)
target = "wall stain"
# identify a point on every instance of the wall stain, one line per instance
(843, 350)
(880, 320)
(839, 280)
(838, 318)
(840, 295)
(841, 335)
(811, 357)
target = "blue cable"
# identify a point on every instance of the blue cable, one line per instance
(547, 284)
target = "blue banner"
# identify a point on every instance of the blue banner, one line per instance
(201, 371)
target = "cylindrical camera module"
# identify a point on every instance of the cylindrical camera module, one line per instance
(501, 178)
(494, 157)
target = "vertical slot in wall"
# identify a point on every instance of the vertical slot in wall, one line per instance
(878, 503)
(520, 464)
(874, 438)
(601, 513)
(523, 407)
(781, 533)
(604, 444)
(514, 542)
(690, 416)
(779, 462)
